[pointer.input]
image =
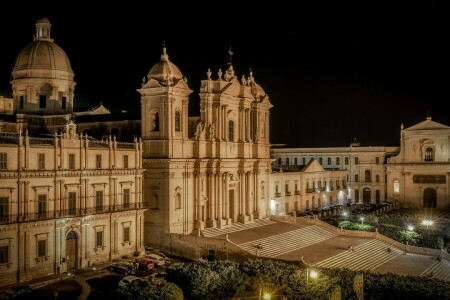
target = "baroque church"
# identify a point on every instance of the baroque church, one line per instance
(70, 200)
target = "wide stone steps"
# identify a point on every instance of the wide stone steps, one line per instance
(280, 244)
(440, 270)
(367, 256)
(211, 232)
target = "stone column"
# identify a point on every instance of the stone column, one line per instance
(219, 183)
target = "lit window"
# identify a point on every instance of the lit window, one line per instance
(396, 186)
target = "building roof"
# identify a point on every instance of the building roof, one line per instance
(428, 124)
(165, 71)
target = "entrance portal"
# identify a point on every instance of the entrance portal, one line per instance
(71, 250)
(366, 195)
(429, 198)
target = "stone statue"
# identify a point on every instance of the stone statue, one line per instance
(198, 131)
(212, 131)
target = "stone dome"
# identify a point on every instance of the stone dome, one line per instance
(43, 54)
(165, 70)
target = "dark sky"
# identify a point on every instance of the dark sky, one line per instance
(332, 71)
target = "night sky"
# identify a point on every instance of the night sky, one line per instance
(332, 71)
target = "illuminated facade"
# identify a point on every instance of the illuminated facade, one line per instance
(205, 171)
(419, 175)
(66, 200)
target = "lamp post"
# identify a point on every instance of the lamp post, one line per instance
(309, 273)
(362, 220)
(427, 223)
(263, 295)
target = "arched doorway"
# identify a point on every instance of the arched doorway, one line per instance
(71, 250)
(366, 195)
(429, 198)
(357, 196)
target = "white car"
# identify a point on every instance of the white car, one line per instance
(158, 260)
(124, 282)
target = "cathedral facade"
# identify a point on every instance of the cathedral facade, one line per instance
(205, 171)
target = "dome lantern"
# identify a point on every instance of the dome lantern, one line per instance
(43, 27)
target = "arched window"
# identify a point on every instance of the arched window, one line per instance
(367, 176)
(231, 130)
(177, 201)
(155, 121)
(177, 121)
(429, 154)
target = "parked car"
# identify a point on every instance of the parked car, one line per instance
(123, 268)
(20, 292)
(166, 258)
(157, 259)
(144, 264)
(124, 282)
(157, 276)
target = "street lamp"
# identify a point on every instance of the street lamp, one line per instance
(263, 295)
(427, 223)
(410, 227)
(309, 273)
(345, 214)
(362, 220)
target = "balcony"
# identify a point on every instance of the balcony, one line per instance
(287, 193)
(68, 213)
(297, 193)
(277, 195)
(310, 190)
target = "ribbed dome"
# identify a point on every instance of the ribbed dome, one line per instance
(42, 54)
(165, 70)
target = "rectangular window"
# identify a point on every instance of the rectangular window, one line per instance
(4, 259)
(72, 203)
(3, 161)
(296, 187)
(4, 207)
(338, 161)
(286, 188)
(126, 234)
(42, 205)
(99, 200)
(377, 160)
(231, 131)
(99, 239)
(329, 161)
(126, 198)
(41, 161)
(304, 161)
(276, 188)
(346, 161)
(320, 160)
(356, 177)
(98, 161)
(287, 161)
(42, 101)
(295, 160)
(279, 161)
(21, 102)
(356, 161)
(377, 178)
(63, 102)
(71, 161)
(396, 186)
(42, 248)
(125, 161)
